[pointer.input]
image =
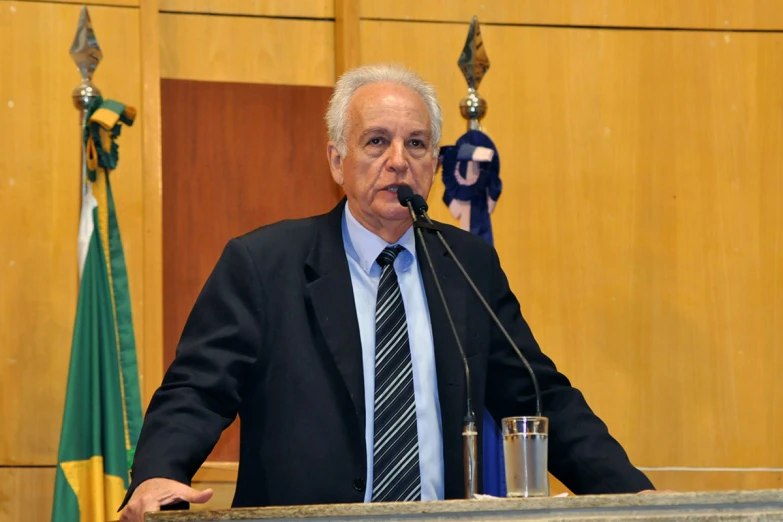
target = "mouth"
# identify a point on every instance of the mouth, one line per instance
(392, 188)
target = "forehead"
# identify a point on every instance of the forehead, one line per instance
(386, 103)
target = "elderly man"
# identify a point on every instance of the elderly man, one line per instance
(328, 339)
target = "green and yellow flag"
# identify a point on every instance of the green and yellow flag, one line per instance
(102, 415)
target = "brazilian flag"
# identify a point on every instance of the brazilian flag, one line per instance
(102, 415)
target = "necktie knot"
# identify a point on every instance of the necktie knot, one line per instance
(388, 255)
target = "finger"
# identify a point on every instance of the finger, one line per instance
(188, 494)
(199, 497)
(147, 505)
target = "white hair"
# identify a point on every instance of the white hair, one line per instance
(351, 81)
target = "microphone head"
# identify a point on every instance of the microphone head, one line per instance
(404, 195)
(419, 204)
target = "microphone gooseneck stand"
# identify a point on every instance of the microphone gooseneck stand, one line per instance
(469, 431)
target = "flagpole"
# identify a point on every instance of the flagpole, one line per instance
(87, 54)
(474, 63)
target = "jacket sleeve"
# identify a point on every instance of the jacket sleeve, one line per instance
(582, 453)
(202, 389)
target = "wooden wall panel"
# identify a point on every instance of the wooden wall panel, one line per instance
(713, 14)
(271, 8)
(151, 356)
(26, 494)
(712, 480)
(706, 479)
(244, 49)
(222, 495)
(118, 3)
(640, 219)
(39, 207)
(346, 35)
(235, 157)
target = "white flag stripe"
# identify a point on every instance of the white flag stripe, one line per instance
(86, 225)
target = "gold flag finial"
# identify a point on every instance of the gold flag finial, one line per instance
(474, 63)
(87, 54)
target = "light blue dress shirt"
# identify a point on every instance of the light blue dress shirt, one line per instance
(362, 248)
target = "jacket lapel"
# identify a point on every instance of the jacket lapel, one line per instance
(448, 361)
(331, 293)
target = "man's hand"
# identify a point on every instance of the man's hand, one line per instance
(156, 492)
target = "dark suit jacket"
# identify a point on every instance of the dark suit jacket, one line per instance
(274, 337)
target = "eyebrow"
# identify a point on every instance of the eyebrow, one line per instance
(374, 130)
(384, 131)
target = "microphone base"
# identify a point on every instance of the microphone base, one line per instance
(470, 459)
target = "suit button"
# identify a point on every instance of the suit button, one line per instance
(358, 484)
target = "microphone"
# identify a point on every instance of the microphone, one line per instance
(415, 203)
(418, 205)
(407, 197)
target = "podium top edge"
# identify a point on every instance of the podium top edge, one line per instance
(745, 500)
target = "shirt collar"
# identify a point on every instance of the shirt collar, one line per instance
(365, 247)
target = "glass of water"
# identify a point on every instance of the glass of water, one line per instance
(525, 445)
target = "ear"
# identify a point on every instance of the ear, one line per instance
(335, 163)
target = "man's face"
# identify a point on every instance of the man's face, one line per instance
(389, 144)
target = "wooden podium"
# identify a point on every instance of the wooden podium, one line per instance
(764, 505)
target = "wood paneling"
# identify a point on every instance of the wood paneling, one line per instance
(90, 3)
(151, 362)
(217, 471)
(26, 494)
(346, 35)
(713, 14)
(222, 495)
(235, 157)
(40, 186)
(697, 480)
(222, 478)
(711, 480)
(281, 8)
(640, 219)
(241, 49)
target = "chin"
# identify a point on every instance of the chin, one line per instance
(393, 211)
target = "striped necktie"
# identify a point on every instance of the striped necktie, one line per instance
(396, 474)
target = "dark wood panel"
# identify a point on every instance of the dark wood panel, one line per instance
(235, 157)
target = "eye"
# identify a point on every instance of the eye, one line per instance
(375, 141)
(417, 143)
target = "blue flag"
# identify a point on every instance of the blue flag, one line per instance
(471, 174)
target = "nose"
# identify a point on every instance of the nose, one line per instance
(398, 160)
